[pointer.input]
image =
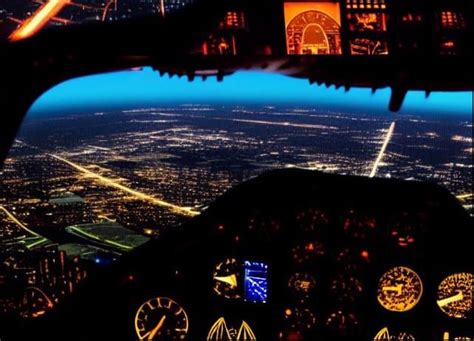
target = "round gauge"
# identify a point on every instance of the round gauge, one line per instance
(302, 283)
(346, 287)
(307, 252)
(399, 289)
(311, 219)
(342, 322)
(300, 318)
(161, 319)
(227, 277)
(455, 295)
(359, 226)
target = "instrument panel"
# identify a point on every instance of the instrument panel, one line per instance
(310, 269)
(297, 255)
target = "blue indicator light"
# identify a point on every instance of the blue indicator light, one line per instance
(256, 282)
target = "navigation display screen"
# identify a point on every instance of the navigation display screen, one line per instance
(256, 282)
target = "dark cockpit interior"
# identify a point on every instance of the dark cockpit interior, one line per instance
(289, 254)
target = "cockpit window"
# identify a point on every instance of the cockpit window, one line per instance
(106, 163)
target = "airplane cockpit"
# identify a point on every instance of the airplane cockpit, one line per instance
(238, 212)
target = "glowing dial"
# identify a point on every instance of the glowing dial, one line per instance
(313, 32)
(227, 279)
(161, 319)
(455, 295)
(399, 289)
(302, 283)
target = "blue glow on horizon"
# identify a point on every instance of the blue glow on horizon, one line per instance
(133, 89)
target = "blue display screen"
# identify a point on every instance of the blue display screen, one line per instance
(256, 282)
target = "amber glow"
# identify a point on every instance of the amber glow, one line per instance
(313, 27)
(226, 279)
(400, 289)
(455, 295)
(450, 19)
(465, 196)
(382, 335)
(39, 19)
(160, 317)
(37, 302)
(233, 19)
(292, 9)
(448, 44)
(365, 4)
(231, 280)
(38, 313)
(155, 330)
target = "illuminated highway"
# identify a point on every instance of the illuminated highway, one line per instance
(382, 150)
(19, 223)
(284, 124)
(39, 19)
(186, 211)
